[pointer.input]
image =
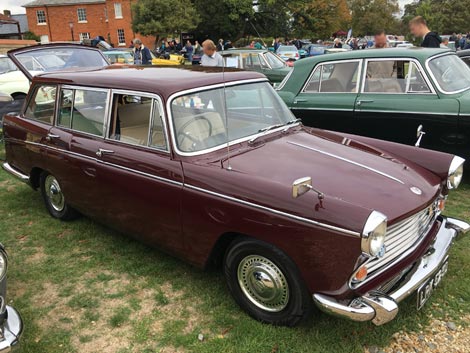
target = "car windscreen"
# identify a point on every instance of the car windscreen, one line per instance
(6, 65)
(211, 118)
(55, 59)
(452, 74)
(274, 61)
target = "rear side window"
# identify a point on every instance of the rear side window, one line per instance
(41, 106)
(88, 111)
(394, 76)
(334, 78)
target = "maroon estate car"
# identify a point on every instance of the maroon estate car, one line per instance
(212, 167)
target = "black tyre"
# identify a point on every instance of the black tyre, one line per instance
(55, 199)
(266, 283)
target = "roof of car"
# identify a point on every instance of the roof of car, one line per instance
(465, 52)
(242, 50)
(163, 81)
(413, 52)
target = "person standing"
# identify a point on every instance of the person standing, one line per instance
(277, 44)
(197, 47)
(189, 51)
(142, 54)
(380, 40)
(211, 57)
(337, 44)
(419, 28)
(220, 45)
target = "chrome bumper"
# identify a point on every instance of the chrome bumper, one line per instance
(17, 174)
(12, 330)
(381, 308)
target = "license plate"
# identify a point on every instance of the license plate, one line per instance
(427, 288)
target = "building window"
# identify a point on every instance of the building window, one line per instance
(41, 17)
(85, 35)
(81, 13)
(117, 10)
(106, 14)
(121, 37)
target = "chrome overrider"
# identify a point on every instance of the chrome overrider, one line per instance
(381, 308)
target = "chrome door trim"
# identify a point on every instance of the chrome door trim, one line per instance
(322, 108)
(376, 171)
(407, 112)
(415, 61)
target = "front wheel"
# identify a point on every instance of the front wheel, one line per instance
(54, 198)
(266, 283)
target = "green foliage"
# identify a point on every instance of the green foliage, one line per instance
(162, 17)
(442, 16)
(370, 16)
(223, 18)
(31, 36)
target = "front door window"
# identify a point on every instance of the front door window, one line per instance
(42, 104)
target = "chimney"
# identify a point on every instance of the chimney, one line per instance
(7, 13)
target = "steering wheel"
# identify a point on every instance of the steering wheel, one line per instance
(185, 134)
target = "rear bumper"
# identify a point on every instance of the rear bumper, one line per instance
(16, 173)
(12, 330)
(381, 308)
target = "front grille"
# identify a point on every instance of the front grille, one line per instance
(403, 236)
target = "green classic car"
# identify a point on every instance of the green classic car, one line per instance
(386, 94)
(260, 60)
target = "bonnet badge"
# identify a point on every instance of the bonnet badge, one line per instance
(416, 190)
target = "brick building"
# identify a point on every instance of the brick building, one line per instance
(73, 20)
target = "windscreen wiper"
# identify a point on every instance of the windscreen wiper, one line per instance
(265, 129)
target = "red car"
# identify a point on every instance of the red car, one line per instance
(212, 167)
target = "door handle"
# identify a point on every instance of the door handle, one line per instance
(102, 152)
(362, 101)
(50, 137)
(299, 100)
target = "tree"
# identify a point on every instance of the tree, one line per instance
(162, 17)
(369, 16)
(223, 18)
(442, 16)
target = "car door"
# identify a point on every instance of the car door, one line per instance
(327, 100)
(396, 97)
(26, 142)
(139, 181)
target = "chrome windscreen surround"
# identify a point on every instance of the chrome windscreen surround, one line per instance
(401, 239)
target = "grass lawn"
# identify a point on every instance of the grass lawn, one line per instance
(81, 287)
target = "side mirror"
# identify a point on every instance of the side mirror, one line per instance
(301, 186)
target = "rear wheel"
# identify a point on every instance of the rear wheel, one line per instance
(266, 283)
(54, 198)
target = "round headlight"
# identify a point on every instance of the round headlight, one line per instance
(373, 235)
(3, 264)
(455, 173)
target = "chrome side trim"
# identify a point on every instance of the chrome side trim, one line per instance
(348, 161)
(8, 168)
(274, 211)
(323, 108)
(209, 192)
(407, 112)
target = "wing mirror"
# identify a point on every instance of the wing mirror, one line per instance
(419, 135)
(302, 186)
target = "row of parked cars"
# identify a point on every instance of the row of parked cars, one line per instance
(295, 215)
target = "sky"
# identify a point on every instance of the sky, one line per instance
(15, 5)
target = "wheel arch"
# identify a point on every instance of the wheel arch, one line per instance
(216, 256)
(35, 177)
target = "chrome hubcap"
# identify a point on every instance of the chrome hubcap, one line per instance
(263, 283)
(54, 193)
